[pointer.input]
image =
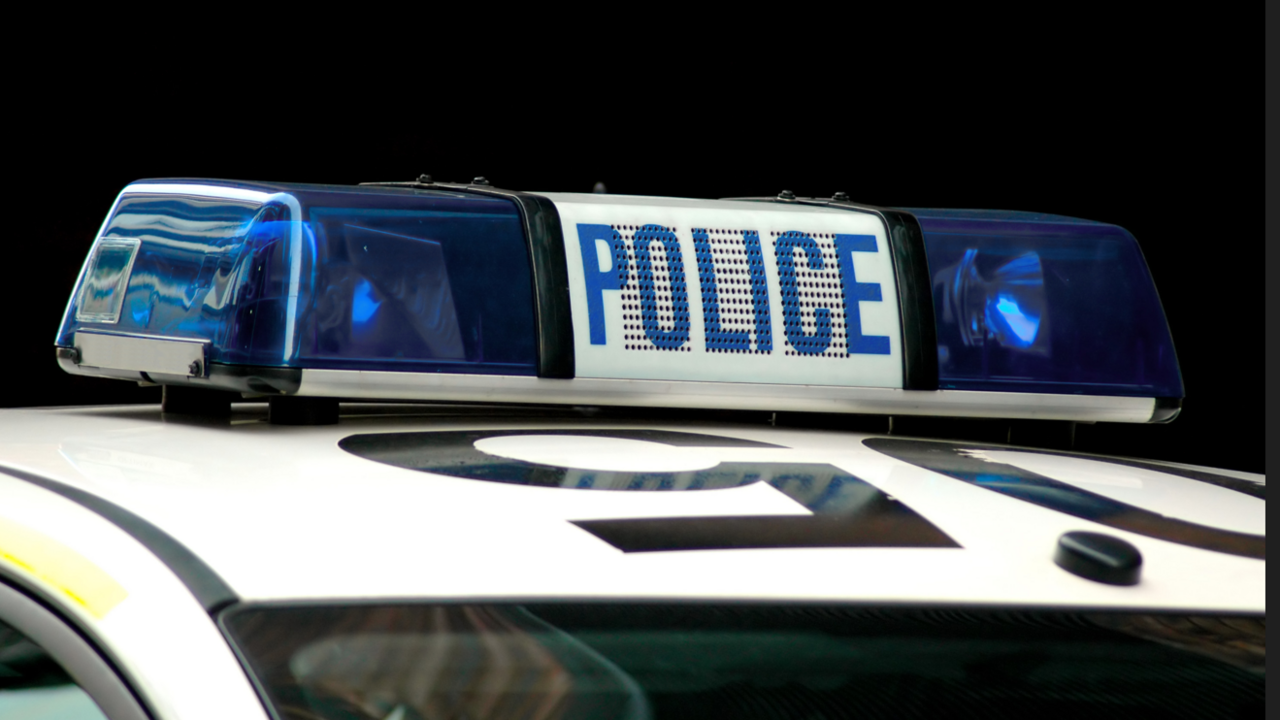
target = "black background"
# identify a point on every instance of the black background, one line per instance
(1144, 131)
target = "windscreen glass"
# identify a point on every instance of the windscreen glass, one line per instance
(744, 661)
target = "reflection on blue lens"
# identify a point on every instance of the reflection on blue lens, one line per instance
(1007, 308)
(1022, 326)
(363, 306)
(1015, 301)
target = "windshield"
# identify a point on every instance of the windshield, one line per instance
(539, 661)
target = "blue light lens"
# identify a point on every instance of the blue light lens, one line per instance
(1007, 308)
(1042, 303)
(362, 279)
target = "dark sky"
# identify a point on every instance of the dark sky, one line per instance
(1154, 139)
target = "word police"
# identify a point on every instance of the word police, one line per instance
(651, 268)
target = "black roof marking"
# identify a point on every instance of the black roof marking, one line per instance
(207, 586)
(1248, 487)
(883, 523)
(946, 458)
(847, 511)
(453, 453)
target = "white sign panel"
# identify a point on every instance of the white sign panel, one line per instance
(673, 289)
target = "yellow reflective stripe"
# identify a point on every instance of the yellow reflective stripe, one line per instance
(61, 567)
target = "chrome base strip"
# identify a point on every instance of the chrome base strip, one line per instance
(729, 396)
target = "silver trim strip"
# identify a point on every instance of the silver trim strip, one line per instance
(140, 353)
(722, 395)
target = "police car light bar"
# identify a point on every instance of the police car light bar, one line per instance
(464, 292)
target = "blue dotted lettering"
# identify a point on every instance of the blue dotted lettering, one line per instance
(717, 337)
(759, 291)
(597, 280)
(857, 292)
(792, 323)
(678, 335)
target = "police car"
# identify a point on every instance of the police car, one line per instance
(433, 450)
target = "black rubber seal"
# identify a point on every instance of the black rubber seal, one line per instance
(551, 286)
(207, 586)
(915, 292)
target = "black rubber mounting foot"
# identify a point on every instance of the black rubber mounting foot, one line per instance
(294, 410)
(183, 400)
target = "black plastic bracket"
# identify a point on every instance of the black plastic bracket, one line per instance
(915, 294)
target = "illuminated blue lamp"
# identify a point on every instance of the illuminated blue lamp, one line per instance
(1025, 302)
(291, 276)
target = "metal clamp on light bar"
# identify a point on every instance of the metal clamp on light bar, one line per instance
(441, 291)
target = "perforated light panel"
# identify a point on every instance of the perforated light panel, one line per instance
(669, 289)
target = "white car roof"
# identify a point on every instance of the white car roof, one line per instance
(279, 513)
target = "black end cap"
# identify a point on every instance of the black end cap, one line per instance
(1166, 409)
(294, 410)
(1101, 558)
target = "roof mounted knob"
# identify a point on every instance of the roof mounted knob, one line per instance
(480, 180)
(840, 197)
(786, 195)
(1098, 557)
(425, 179)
